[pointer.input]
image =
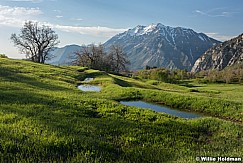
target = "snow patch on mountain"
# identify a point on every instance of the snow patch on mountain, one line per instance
(162, 46)
(201, 38)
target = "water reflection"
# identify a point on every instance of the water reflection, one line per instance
(159, 108)
(89, 88)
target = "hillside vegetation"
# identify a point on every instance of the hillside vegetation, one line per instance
(45, 118)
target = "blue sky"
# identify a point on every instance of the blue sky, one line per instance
(95, 21)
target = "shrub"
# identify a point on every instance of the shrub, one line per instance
(3, 56)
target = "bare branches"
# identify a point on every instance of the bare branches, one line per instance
(35, 41)
(91, 57)
(95, 57)
(118, 59)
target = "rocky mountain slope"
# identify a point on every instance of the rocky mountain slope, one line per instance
(218, 57)
(162, 46)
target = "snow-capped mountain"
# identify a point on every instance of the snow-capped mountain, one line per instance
(162, 46)
(64, 55)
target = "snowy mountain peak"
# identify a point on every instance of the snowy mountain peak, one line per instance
(150, 28)
(162, 46)
(157, 29)
(141, 30)
(135, 31)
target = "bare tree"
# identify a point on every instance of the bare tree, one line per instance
(91, 57)
(94, 57)
(35, 41)
(117, 59)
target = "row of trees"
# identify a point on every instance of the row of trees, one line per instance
(232, 74)
(95, 57)
(161, 74)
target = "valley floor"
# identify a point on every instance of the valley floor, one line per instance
(45, 118)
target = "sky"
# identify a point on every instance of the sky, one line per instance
(84, 22)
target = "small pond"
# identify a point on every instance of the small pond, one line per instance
(89, 88)
(159, 108)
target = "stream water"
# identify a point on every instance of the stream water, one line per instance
(160, 108)
(89, 88)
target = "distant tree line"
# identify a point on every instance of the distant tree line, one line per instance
(232, 74)
(95, 57)
(162, 74)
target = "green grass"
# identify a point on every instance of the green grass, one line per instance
(212, 100)
(45, 118)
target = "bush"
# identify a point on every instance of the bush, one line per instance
(231, 74)
(3, 56)
(161, 74)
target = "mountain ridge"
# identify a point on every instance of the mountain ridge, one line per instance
(64, 55)
(221, 56)
(155, 45)
(162, 46)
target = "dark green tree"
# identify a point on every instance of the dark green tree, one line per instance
(3, 56)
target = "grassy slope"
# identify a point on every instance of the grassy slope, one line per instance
(43, 117)
(223, 101)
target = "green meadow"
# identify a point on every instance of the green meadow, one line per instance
(45, 118)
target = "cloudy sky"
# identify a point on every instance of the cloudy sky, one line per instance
(95, 21)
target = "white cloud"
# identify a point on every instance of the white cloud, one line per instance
(58, 11)
(59, 16)
(219, 37)
(15, 16)
(33, 1)
(93, 31)
(18, 11)
(216, 12)
(200, 12)
(77, 19)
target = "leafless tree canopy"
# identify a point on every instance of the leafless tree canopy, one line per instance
(117, 59)
(91, 57)
(35, 41)
(94, 57)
